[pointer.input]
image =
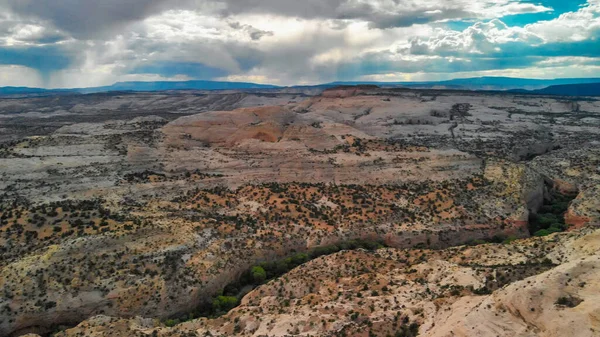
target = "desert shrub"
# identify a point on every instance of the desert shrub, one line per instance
(224, 303)
(568, 301)
(229, 297)
(545, 232)
(258, 274)
(171, 322)
(411, 330)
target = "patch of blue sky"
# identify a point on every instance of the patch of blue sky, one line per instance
(459, 25)
(559, 7)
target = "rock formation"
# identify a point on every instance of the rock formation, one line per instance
(148, 205)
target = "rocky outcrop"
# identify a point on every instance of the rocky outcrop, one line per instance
(185, 191)
(346, 91)
(531, 151)
(559, 302)
(585, 209)
(175, 254)
(519, 183)
(488, 290)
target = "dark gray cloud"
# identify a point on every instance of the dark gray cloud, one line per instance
(85, 18)
(382, 13)
(403, 18)
(28, 31)
(254, 33)
(43, 58)
(344, 39)
(201, 59)
(94, 18)
(100, 18)
(293, 8)
(171, 69)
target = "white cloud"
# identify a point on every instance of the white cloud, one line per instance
(283, 41)
(572, 26)
(491, 37)
(19, 76)
(480, 38)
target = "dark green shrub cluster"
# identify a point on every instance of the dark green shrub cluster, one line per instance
(550, 218)
(278, 268)
(259, 275)
(411, 330)
(222, 304)
(568, 301)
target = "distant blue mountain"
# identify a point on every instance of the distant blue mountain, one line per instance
(172, 85)
(481, 83)
(31, 91)
(477, 83)
(516, 82)
(583, 89)
(140, 86)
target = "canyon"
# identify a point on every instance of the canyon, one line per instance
(122, 210)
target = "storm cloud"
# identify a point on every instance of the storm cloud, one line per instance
(84, 42)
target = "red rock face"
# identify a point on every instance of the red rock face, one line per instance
(517, 228)
(342, 92)
(229, 128)
(565, 187)
(576, 221)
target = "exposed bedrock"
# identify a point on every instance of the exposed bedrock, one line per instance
(73, 304)
(196, 200)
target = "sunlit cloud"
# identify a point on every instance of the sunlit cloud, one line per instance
(88, 43)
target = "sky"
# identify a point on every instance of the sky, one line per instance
(83, 43)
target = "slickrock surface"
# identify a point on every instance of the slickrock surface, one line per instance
(487, 290)
(147, 205)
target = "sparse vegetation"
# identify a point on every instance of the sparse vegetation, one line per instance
(287, 209)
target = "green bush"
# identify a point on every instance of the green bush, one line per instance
(259, 275)
(224, 303)
(228, 298)
(171, 322)
(299, 259)
(545, 232)
(475, 242)
(550, 218)
(547, 219)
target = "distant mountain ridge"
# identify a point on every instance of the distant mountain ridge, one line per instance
(177, 85)
(27, 90)
(581, 89)
(141, 86)
(476, 83)
(483, 83)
